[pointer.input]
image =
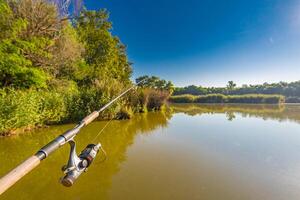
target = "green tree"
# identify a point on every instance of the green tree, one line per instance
(104, 53)
(155, 82)
(36, 47)
(15, 68)
(231, 85)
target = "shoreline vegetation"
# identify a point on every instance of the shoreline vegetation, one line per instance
(228, 99)
(55, 69)
(24, 110)
(291, 91)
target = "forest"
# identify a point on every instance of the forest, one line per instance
(56, 69)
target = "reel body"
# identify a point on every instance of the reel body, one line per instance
(78, 164)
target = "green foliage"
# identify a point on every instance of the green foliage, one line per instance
(53, 71)
(185, 98)
(36, 48)
(155, 82)
(28, 108)
(147, 99)
(156, 99)
(15, 69)
(125, 113)
(104, 53)
(88, 100)
(286, 89)
(231, 85)
(212, 98)
(220, 98)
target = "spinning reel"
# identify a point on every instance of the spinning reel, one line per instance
(78, 164)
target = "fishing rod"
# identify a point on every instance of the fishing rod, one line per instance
(76, 163)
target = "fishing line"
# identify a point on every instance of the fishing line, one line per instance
(101, 131)
(98, 134)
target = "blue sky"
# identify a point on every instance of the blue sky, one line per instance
(208, 42)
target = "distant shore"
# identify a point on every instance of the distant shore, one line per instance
(228, 99)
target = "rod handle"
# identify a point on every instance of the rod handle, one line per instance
(17, 173)
(88, 119)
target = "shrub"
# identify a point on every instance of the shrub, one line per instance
(88, 100)
(156, 99)
(19, 109)
(125, 113)
(137, 100)
(146, 99)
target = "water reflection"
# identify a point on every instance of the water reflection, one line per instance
(274, 112)
(42, 183)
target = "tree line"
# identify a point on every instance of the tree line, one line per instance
(290, 90)
(229, 99)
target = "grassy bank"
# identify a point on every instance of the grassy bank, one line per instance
(26, 109)
(220, 98)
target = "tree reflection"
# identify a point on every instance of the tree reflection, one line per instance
(275, 112)
(42, 183)
(230, 116)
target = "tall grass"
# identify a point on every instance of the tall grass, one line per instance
(185, 98)
(21, 109)
(144, 100)
(220, 98)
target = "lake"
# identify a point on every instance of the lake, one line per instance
(228, 152)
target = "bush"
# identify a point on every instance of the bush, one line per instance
(19, 109)
(156, 99)
(87, 100)
(147, 99)
(125, 113)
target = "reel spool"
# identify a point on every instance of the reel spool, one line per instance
(78, 164)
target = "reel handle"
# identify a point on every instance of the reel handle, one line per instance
(17, 173)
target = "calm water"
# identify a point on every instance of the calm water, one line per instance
(194, 152)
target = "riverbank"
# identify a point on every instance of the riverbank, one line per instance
(24, 110)
(224, 99)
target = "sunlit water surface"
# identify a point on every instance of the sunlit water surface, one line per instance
(192, 152)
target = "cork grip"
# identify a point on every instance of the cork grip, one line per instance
(16, 174)
(88, 119)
